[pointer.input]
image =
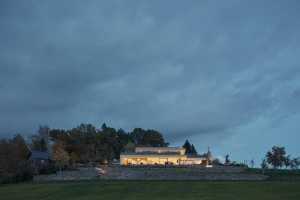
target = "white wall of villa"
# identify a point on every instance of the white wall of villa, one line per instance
(160, 156)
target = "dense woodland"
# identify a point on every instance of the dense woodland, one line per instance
(88, 144)
(83, 144)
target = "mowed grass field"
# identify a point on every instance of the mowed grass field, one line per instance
(144, 190)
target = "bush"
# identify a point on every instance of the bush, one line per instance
(24, 173)
(49, 169)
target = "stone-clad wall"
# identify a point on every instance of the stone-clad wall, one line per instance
(217, 173)
(151, 173)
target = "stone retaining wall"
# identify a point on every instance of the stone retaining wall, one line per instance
(156, 173)
(224, 173)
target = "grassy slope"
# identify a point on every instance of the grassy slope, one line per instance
(279, 174)
(152, 190)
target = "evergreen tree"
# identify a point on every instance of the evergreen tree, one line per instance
(193, 150)
(188, 147)
(103, 127)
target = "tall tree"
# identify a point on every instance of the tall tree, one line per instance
(153, 138)
(104, 144)
(14, 155)
(124, 138)
(150, 137)
(188, 147)
(193, 150)
(137, 135)
(20, 147)
(103, 127)
(60, 156)
(276, 157)
(227, 160)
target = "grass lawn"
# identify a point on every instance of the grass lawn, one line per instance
(120, 190)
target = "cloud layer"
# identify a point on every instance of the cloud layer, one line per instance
(198, 68)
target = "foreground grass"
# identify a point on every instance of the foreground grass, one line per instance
(144, 190)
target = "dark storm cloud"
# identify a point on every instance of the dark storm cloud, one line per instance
(184, 68)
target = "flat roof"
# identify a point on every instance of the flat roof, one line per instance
(169, 154)
(150, 153)
(153, 155)
(160, 148)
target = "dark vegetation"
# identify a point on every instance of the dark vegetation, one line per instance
(86, 143)
(189, 148)
(278, 158)
(83, 144)
(14, 165)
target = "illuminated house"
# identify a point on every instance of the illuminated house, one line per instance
(163, 156)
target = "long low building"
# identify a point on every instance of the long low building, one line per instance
(163, 156)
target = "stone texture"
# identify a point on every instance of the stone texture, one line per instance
(217, 173)
(157, 173)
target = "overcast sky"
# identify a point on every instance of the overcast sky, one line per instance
(224, 74)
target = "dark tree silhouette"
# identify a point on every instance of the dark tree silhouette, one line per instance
(14, 155)
(227, 160)
(188, 147)
(193, 150)
(276, 157)
(86, 143)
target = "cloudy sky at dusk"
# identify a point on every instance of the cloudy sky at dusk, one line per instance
(224, 74)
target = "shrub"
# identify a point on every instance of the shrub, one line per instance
(24, 173)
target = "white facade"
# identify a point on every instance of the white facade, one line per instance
(161, 156)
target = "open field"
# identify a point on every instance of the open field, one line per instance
(144, 190)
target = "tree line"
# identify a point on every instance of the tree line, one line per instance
(14, 164)
(82, 144)
(278, 158)
(86, 143)
(89, 144)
